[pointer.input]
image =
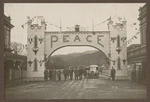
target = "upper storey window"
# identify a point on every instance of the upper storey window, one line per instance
(7, 36)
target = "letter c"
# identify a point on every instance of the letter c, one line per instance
(87, 38)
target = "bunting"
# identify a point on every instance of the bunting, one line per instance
(131, 39)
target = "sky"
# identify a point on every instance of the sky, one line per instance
(71, 14)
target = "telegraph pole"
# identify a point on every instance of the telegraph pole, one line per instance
(60, 26)
(93, 26)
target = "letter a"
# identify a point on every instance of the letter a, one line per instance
(77, 38)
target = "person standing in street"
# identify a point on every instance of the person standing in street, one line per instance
(84, 72)
(80, 73)
(71, 73)
(54, 74)
(113, 73)
(139, 74)
(76, 73)
(59, 74)
(68, 72)
(50, 74)
(46, 75)
(65, 73)
(133, 75)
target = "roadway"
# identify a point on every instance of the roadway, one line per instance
(100, 88)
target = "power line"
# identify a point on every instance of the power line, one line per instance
(102, 22)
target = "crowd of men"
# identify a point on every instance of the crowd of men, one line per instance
(79, 73)
(71, 73)
(68, 73)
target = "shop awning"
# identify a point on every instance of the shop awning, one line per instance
(11, 56)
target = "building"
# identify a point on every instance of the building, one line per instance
(14, 65)
(143, 23)
(137, 53)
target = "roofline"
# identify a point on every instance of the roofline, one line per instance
(7, 21)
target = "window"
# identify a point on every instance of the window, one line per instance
(144, 36)
(7, 36)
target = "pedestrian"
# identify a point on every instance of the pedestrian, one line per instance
(54, 74)
(80, 73)
(133, 75)
(84, 72)
(101, 70)
(139, 74)
(59, 74)
(68, 72)
(50, 74)
(76, 73)
(71, 73)
(46, 75)
(113, 73)
(65, 73)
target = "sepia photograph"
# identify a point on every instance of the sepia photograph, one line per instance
(75, 51)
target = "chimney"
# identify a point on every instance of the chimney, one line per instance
(77, 28)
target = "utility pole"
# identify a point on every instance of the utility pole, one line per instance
(37, 15)
(60, 26)
(93, 26)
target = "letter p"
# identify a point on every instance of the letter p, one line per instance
(54, 38)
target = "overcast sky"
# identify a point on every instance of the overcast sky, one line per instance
(70, 15)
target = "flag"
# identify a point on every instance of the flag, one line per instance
(22, 26)
(40, 17)
(28, 17)
(22, 46)
(134, 23)
(119, 18)
(138, 32)
(109, 18)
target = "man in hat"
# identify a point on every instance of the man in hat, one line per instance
(113, 73)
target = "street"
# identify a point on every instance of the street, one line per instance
(100, 88)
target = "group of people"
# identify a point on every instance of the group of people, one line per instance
(68, 73)
(137, 75)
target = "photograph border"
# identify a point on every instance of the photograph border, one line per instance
(2, 99)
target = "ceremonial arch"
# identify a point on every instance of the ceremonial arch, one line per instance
(41, 44)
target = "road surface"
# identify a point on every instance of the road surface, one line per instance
(100, 88)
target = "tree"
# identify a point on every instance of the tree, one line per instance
(18, 48)
(56, 63)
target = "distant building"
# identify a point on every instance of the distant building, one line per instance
(136, 53)
(14, 65)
